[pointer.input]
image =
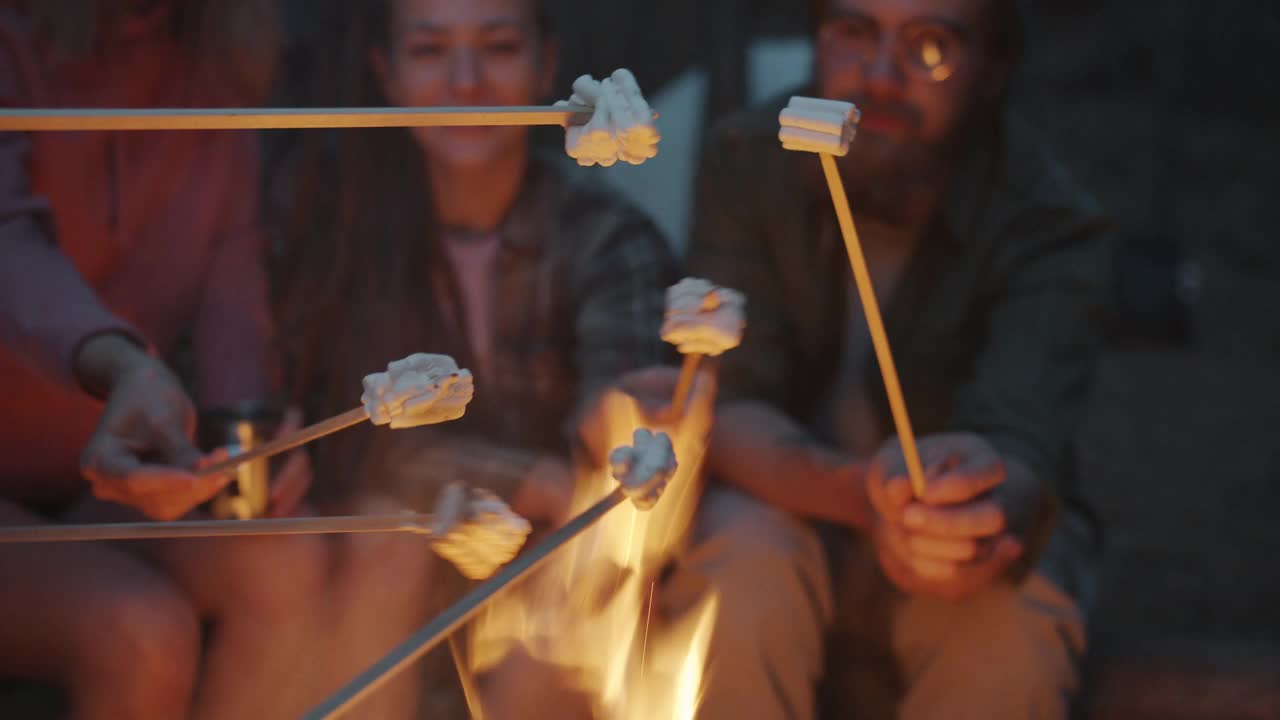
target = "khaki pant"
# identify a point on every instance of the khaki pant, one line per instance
(1009, 652)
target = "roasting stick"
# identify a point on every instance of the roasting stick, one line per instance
(289, 442)
(688, 371)
(826, 127)
(892, 386)
(642, 470)
(418, 390)
(98, 119)
(462, 521)
(407, 522)
(470, 691)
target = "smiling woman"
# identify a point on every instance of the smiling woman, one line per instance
(365, 224)
(400, 240)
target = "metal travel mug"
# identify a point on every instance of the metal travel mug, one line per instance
(238, 430)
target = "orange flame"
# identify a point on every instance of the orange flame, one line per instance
(590, 612)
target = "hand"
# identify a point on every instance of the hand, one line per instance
(141, 454)
(959, 537)
(290, 484)
(546, 494)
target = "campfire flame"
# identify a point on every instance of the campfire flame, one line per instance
(591, 612)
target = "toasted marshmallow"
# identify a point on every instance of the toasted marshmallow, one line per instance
(815, 125)
(621, 125)
(703, 318)
(645, 467)
(476, 531)
(421, 389)
(635, 130)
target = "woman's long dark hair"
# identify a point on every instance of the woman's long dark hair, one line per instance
(357, 237)
(358, 252)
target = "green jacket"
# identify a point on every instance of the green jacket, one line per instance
(996, 323)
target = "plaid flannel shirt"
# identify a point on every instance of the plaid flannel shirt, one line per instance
(580, 295)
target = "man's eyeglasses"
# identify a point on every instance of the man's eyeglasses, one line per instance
(928, 49)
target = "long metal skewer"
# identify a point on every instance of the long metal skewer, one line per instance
(435, 632)
(407, 522)
(93, 119)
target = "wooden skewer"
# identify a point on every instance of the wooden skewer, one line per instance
(470, 691)
(409, 522)
(880, 339)
(94, 119)
(289, 442)
(688, 371)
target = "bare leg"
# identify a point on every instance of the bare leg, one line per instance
(380, 596)
(120, 637)
(263, 596)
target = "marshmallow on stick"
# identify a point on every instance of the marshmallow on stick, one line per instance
(702, 319)
(645, 467)
(819, 126)
(471, 528)
(418, 390)
(476, 531)
(621, 125)
(421, 389)
(827, 127)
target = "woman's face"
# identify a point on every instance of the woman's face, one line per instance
(448, 53)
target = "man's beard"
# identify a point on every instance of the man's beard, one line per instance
(896, 179)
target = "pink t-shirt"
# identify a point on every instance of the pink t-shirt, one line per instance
(473, 259)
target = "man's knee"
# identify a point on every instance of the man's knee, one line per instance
(769, 574)
(1030, 639)
(743, 545)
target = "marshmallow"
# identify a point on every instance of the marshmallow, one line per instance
(621, 125)
(645, 467)
(476, 531)
(418, 390)
(638, 137)
(815, 125)
(704, 319)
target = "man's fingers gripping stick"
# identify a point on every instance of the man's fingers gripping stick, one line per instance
(827, 127)
(421, 389)
(643, 471)
(702, 319)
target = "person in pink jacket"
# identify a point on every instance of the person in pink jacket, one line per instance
(115, 249)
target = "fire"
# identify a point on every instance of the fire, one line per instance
(591, 611)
